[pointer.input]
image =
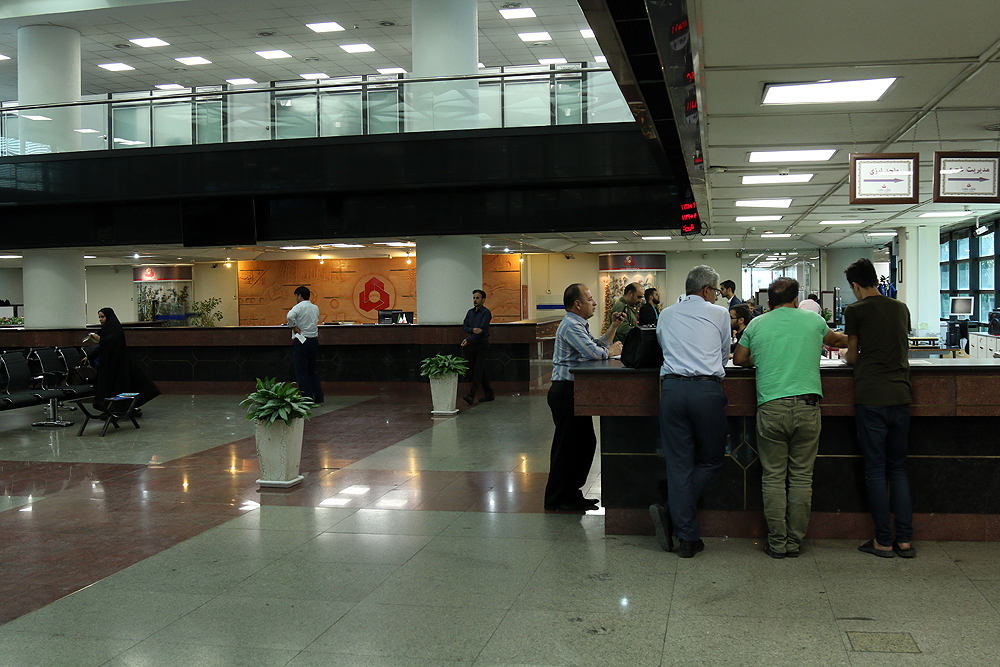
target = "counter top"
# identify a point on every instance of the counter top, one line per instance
(615, 366)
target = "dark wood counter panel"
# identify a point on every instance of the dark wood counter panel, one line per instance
(954, 452)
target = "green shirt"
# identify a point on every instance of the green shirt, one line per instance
(631, 317)
(882, 372)
(786, 344)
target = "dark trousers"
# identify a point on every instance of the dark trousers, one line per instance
(573, 447)
(694, 429)
(304, 356)
(882, 433)
(476, 352)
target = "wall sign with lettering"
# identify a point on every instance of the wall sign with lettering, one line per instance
(966, 177)
(885, 178)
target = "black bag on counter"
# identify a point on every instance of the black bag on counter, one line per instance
(641, 349)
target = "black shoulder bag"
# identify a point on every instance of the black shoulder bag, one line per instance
(641, 349)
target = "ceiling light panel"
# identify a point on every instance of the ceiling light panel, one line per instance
(820, 155)
(827, 92)
(315, 76)
(534, 36)
(518, 13)
(551, 61)
(841, 222)
(767, 179)
(587, 33)
(170, 86)
(391, 70)
(193, 60)
(116, 67)
(716, 240)
(758, 218)
(763, 203)
(947, 214)
(329, 26)
(657, 238)
(240, 82)
(357, 48)
(149, 42)
(274, 54)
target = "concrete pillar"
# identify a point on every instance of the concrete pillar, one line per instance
(54, 289)
(918, 276)
(448, 269)
(445, 42)
(48, 71)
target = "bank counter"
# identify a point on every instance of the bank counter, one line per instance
(954, 463)
(229, 359)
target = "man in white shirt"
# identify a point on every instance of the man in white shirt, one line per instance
(695, 337)
(303, 318)
(811, 302)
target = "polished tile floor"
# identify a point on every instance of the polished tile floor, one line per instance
(419, 542)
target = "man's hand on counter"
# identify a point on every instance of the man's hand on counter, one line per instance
(615, 349)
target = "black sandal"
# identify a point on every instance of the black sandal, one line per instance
(869, 548)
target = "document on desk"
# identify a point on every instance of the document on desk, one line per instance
(299, 337)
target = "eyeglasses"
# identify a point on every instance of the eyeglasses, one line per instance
(717, 291)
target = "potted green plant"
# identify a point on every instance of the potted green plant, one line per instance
(278, 412)
(827, 314)
(443, 371)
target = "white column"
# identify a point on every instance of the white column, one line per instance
(918, 277)
(445, 37)
(54, 292)
(448, 269)
(48, 71)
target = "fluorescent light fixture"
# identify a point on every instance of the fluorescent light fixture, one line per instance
(758, 218)
(149, 42)
(551, 61)
(881, 233)
(586, 33)
(518, 13)
(397, 244)
(240, 82)
(90, 256)
(827, 92)
(315, 76)
(603, 242)
(3, 57)
(86, 130)
(715, 240)
(841, 222)
(947, 214)
(340, 245)
(657, 238)
(391, 70)
(534, 36)
(116, 67)
(819, 155)
(170, 86)
(776, 236)
(273, 54)
(482, 65)
(33, 117)
(10, 257)
(329, 26)
(600, 59)
(776, 178)
(193, 60)
(357, 48)
(763, 203)
(297, 247)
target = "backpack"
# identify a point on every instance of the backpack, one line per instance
(641, 348)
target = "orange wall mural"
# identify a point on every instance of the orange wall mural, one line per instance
(354, 290)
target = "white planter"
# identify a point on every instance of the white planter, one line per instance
(444, 393)
(279, 452)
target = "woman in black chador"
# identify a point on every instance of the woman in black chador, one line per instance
(116, 372)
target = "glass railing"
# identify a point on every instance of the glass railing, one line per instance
(508, 97)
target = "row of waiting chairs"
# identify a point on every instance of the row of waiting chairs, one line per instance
(49, 384)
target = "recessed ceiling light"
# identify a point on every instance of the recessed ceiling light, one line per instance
(947, 214)
(841, 222)
(656, 238)
(482, 65)
(551, 61)
(603, 242)
(170, 86)
(274, 54)
(776, 178)
(297, 247)
(329, 26)
(34, 117)
(600, 59)
(534, 36)
(3, 57)
(315, 76)
(356, 48)
(820, 155)
(116, 67)
(881, 233)
(90, 256)
(757, 218)
(826, 92)
(587, 33)
(149, 42)
(240, 82)
(193, 60)
(397, 244)
(391, 70)
(764, 203)
(520, 13)
(775, 236)
(86, 130)
(10, 257)
(716, 240)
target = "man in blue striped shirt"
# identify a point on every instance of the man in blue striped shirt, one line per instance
(574, 442)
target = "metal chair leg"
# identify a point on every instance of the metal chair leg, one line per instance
(52, 416)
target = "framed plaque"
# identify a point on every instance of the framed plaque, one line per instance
(966, 178)
(885, 178)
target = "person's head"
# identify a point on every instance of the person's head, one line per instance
(861, 276)
(783, 292)
(813, 297)
(652, 296)
(478, 297)
(704, 281)
(631, 294)
(739, 317)
(577, 299)
(106, 315)
(728, 288)
(302, 293)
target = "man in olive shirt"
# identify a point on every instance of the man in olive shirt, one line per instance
(628, 304)
(786, 345)
(877, 329)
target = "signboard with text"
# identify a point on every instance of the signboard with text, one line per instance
(966, 177)
(885, 178)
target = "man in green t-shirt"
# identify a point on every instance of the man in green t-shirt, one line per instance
(786, 344)
(877, 329)
(628, 304)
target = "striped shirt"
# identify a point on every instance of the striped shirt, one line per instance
(574, 345)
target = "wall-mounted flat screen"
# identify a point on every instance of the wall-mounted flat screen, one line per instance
(961, 306)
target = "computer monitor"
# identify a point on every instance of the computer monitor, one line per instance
(387, 316)
(961, 306)
(402, 317)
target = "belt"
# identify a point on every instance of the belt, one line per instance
(808, 399)
(692, 378)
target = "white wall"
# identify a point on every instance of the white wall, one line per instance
(110, 287)
(550, 275)
(679, 264)
(11, 286)
(222, 283)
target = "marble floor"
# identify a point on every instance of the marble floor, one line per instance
(419, 542)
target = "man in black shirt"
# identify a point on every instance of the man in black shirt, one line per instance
(650, 310)
(477, 344)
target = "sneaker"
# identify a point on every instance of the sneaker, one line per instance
(660, 515)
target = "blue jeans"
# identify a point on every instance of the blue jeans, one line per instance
(882, 434)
